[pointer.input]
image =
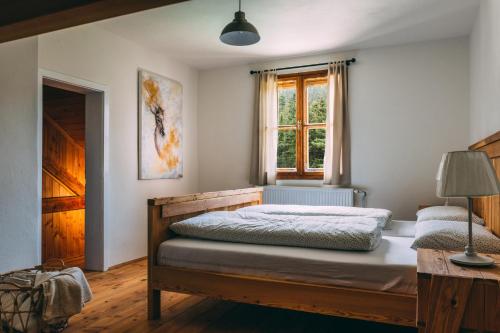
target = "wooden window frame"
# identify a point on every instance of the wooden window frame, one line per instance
(301, 126)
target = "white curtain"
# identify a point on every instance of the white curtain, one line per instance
(337, 161)
(265, 134)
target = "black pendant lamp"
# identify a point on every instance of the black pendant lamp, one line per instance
(239, 32)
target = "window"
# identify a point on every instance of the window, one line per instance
(301, 125)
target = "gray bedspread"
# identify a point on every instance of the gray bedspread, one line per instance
(328, 232)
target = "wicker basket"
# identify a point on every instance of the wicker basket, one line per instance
(21, 302)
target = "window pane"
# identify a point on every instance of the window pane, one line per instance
(316, 147)
(286, 149)
(316, 103)
(287, 104)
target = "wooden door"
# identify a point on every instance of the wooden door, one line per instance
(63, 180)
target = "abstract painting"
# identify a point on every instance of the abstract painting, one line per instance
(160, 127)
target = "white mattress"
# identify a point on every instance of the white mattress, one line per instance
(390, 267)
(399, 228)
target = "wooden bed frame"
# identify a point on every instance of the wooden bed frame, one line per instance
(376, 306)
(384, 307)
(489, 207)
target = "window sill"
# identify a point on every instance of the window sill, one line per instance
(293, 175)
(300, 182)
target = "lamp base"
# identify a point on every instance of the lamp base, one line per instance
(474, 260)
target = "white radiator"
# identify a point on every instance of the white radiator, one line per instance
(314, 196)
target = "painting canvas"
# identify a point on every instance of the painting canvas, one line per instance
(160, 127)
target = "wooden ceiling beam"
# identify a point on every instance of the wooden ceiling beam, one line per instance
(77, 15)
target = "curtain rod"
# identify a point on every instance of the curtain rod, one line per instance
(348, 62)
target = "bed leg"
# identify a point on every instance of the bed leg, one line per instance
(154, 304)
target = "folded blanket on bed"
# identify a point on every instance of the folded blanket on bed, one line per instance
(329, 232)
(383, 216)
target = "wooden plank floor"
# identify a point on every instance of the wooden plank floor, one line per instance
(119, 305)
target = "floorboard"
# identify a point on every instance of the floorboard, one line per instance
(119, 305)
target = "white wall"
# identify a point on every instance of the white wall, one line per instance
(485, 72)
(408, 104)
(19, 207)
(97, 55)
(225, 117)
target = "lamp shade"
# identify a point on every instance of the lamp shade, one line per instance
(466, 174)
(239, 32)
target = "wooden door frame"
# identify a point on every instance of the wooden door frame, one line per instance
(96, 145)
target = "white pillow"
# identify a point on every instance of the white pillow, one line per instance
(449, 235)
(447, 213)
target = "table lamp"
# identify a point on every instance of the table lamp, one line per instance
(467, 174)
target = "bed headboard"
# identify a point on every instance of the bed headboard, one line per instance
(162, 212)
(489, 207)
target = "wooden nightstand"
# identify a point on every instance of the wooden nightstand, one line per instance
(454, 298)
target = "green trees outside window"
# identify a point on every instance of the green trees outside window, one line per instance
(294, 126)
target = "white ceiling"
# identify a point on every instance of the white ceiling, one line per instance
(190, 31)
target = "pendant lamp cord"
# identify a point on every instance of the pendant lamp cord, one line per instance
(239, 5)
